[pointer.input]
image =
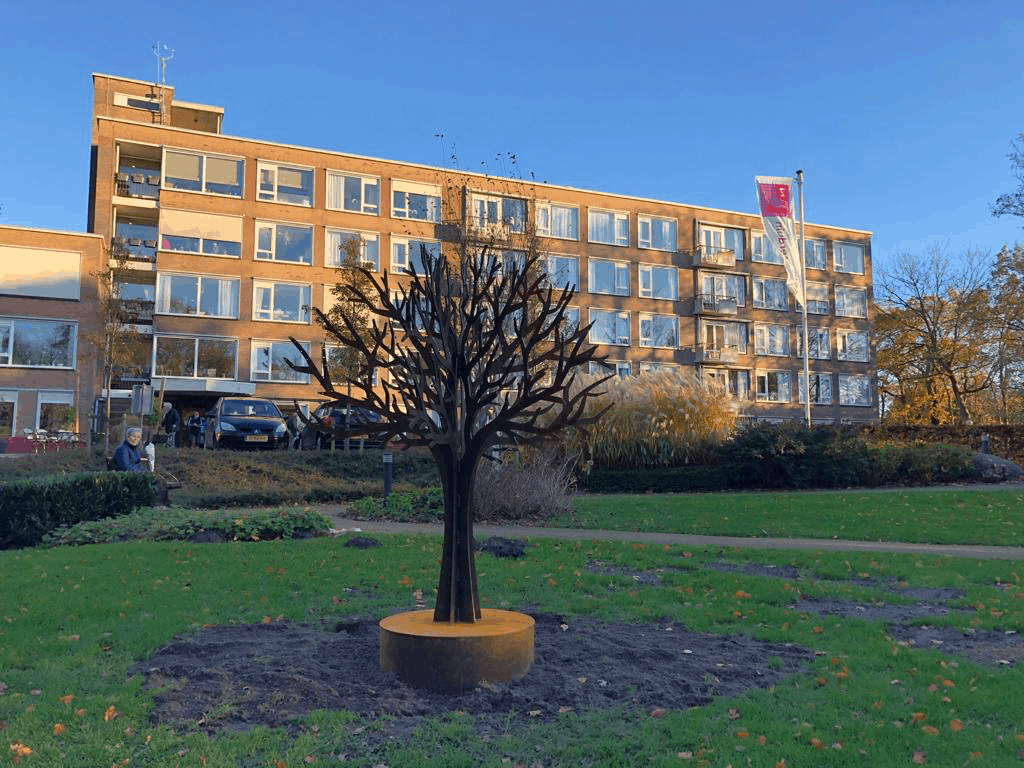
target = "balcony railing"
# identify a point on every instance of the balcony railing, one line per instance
(142, 185)
(137, 312)
(133, 249)
(714, 256)
(717, 354)
(710, 304)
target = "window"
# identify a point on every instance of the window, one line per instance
(770, 294)
(570, 322)
(284, 242)
(31, 343)
(847, 257)
(199, 295)
(269, 362)
(609, 326)
(339, 362)
(658, 282)
(496, 215)
(411, 200)
(198, 172)
(8, 400)
(814, 254)
(852, 345)
(608, 227)
(611, 277)
(817, 298)
(205, 233)
(854, 390)
(555, 220)
(722, 244)
(725, 287)
(656, 233)
(564, 272)
(736, 383)
(648, 367)
(771, 340)
(773, 386)
(817, 339)
(408, 255)
(851, 302)
(764, 250)
(363, 247)
(659, 331)
(192, 357)
(280, 302)
(722, 335)
(285, 184)
(349, 192)
(821, 388)
(621, 368)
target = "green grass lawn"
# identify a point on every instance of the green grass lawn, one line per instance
(947, 516)
(74, 620)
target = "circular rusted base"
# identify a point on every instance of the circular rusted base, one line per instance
(450, 657)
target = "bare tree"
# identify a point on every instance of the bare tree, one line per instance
(477, 350)
(1012, 203)
(937, 327)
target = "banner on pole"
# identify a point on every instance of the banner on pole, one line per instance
(775, 201)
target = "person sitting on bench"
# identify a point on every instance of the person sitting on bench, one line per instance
(127, 456)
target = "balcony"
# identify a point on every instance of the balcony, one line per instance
(714, 256)
(707, 354)
(136, 312)
(709, 304)
(137, 185)
(133, 249)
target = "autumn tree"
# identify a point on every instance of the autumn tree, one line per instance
(478, 349)
(1012, 203)
(936, 338)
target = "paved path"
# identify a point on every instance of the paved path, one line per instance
(685, 540)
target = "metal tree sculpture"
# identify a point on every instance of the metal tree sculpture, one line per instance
(480, 350)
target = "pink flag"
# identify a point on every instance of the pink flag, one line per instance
(775, 198)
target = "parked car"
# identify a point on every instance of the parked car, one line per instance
(243, 422)
(311, 437)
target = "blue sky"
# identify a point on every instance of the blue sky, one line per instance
(900, 113)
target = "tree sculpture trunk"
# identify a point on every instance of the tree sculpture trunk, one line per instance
(457, 596)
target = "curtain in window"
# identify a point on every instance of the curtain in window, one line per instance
(563, 222)
(335, 191)
(261, 301)
(601, 227)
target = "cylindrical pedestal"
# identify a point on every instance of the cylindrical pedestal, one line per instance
(452, 657)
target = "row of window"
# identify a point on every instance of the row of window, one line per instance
(53, 411)
(33, 343)
(356, 193)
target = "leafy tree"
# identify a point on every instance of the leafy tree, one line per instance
(1012, 203)
(938, 341)
(478, 350)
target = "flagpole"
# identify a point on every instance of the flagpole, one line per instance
(803, 291)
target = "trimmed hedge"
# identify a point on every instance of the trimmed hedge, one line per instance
(30, 509)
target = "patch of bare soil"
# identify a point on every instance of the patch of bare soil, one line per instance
(237, 677)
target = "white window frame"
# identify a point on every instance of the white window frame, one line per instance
(400, 264)
(163, 298)
(764, 394)
(840, 261)
(758, 291)
(819, 340)
(271, 315)
(646, 339)
(843, 346)
(203, 179)
(273, 227)
(196, 340)
(369, 247)
(619, 222)
(621, 368)
(725, 285)
(817, 298)
(273, 170)
(846, 296)
(846, 380)
(487, 214)
(646, 277)
(764, 336)
(545, 217)
(762, 250)
(622, 331)
(815, 256)
(818, 379)
(336, 200)
(261, 344)
(645, 229)
(405, 188)
(554, 271)
(620, 277)
(725, 334)
(11, 323)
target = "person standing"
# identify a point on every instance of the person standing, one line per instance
(171, 422)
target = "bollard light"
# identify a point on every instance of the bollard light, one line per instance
(387, 474)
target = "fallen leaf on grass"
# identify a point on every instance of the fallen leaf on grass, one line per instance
(931, 730)
(110, 713)
(20, 749)
(657, 712)
(956, 726)
(67, 699)
(918, 758)
(58, 729)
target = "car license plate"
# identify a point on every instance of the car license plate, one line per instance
(256, 438)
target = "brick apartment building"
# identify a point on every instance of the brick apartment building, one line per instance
(231, 240)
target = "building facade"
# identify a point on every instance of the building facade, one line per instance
(228, 242)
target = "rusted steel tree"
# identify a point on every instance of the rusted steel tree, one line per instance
(476, 350)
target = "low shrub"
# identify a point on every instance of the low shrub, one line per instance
(422, 506)
(534, 484)
(663, 480)
(30, 509)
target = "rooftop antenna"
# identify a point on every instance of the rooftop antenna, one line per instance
(163, 54)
